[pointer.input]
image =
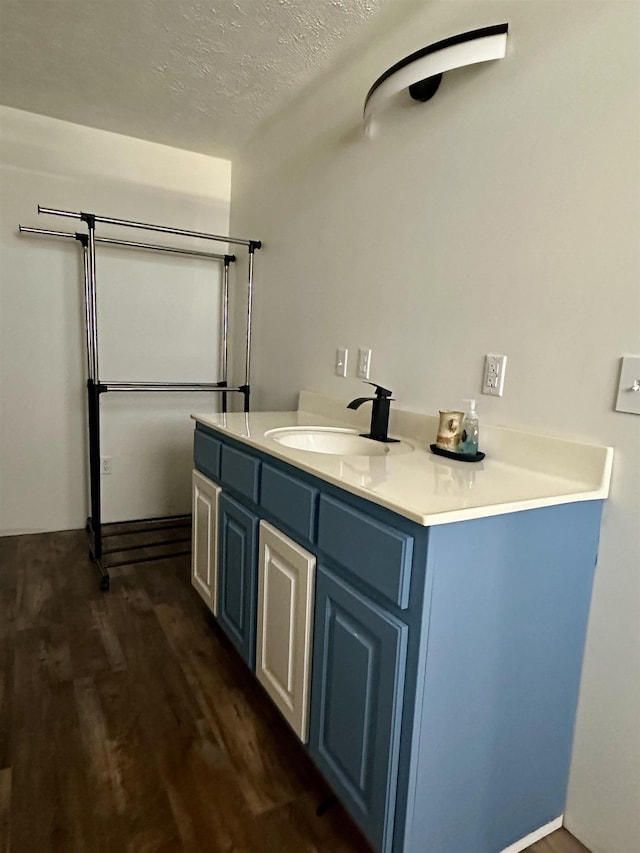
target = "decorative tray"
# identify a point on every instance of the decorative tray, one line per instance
(450, 454)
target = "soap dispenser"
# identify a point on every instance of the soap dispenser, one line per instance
(469, 439)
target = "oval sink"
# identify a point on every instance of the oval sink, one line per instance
(334, 440)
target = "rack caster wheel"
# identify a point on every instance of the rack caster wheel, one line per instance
(104, 583)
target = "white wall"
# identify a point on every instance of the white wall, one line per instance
(158, 320)
(503, 216)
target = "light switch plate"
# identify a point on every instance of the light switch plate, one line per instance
(628, 399)
(342, 354)
(364, 363)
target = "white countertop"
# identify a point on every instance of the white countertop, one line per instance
(521, 470)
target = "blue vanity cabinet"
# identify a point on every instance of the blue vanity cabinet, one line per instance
(358, 678)
(237, 575)
(445, 660)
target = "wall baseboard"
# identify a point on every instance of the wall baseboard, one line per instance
(534, 836)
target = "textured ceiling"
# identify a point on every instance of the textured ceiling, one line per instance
(199, 76)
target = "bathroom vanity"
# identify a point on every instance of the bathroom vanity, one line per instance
(419, 622)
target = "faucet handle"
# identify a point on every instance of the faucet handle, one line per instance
(380, 391)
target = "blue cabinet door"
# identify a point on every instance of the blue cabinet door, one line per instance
(357, 688)
(237, 576)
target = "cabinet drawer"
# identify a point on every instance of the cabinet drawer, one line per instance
(289, 501)
(240, 472)
(206, 454)
(373, 551)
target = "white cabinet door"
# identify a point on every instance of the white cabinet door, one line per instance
(204, 552)
(285, 613)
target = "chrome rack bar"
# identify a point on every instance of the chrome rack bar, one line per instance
(162, 543)
(22, 229)
(129, 561)
(165, 386)
(93, 293)
(225, 322)
(247, 373)
(94, 524)
(145, 226)
(151, 246)
(162, 520)
(87, 308)
(246, 388)
(154, 247)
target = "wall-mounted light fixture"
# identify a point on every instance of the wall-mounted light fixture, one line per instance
(422, 71)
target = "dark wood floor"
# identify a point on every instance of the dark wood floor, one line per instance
(127, 722)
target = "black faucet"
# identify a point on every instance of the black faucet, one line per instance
(379, 413)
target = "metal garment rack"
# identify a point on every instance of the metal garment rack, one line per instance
(95, 387)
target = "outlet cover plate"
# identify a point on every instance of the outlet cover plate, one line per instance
(495, 367)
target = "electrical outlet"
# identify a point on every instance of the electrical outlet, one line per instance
(342, 355)
(495, 367)
(364, 363)
(105, 464)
